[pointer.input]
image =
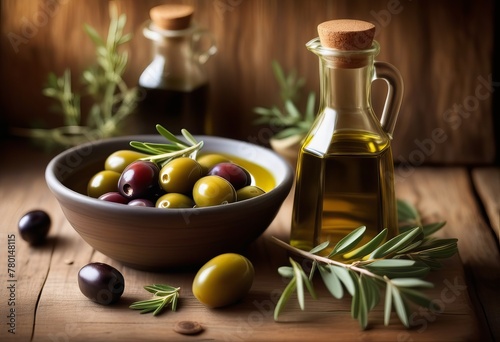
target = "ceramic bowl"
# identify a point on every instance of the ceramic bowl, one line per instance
(159, 239)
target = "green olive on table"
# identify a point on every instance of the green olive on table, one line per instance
(249, 191)
(174, 200)
(103, 182)
(213, 190)
(208, 161)
(180, 174)
(119, 160)
(223, 280)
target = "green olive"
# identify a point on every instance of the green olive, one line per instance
(223, 280)
(174, 200)
(213, 190)
(208, 161)
(249, 191)
(180, 174)
(103, 182)
(119, 160)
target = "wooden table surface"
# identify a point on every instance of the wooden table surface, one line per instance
(50, 307)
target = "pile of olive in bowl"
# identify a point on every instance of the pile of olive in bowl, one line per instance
(183, 182)
(152, 238)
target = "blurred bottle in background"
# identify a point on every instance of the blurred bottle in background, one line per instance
(174, 88)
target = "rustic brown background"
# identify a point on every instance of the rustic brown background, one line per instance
(444, 50)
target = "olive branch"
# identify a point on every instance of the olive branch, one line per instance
(398, 265)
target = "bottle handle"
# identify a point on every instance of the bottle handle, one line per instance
(395, 90)
(203, 56)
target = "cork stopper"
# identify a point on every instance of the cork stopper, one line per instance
(172, 16)
(346, 34)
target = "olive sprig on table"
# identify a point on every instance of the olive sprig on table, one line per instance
(163, 295)
(399, 265)
(161, 154)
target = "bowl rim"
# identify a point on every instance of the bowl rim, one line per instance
(62, 191)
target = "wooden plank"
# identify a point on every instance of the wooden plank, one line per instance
(487, 182)
(446, 194)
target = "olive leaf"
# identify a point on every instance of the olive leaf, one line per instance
(286, 271)
(319, 247)
(431, 228)
(400, 241)
(331, 280)
(411, 282)
(407, 212)
(399, 305)
(417, 297)
(301, 280)
(349, 241)
(367, 248)
(372, 291)
(347, 278)
(398, 268)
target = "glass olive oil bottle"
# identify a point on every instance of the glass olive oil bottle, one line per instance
(345, 171)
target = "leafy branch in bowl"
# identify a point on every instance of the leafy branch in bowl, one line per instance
(112, 100)
(398, 266)
(286, 117)
(162, 153)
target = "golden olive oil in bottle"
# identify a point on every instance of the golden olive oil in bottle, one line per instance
(353, 189)
(345, 170)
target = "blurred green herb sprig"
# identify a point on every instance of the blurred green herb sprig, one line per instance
(111, 99)
(286, 117)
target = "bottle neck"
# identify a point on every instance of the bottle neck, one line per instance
(173, 66)
(345, 88)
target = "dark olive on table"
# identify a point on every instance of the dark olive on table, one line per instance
(115, 197)
(141, 202)
(139, 180)
(234, 174)
(34, 226)
(101, 283)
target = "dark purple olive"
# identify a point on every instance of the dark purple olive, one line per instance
(101, 283)
(234, 174)
(139, 180)
(141, 202)
(115, 197)
(34, 226)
